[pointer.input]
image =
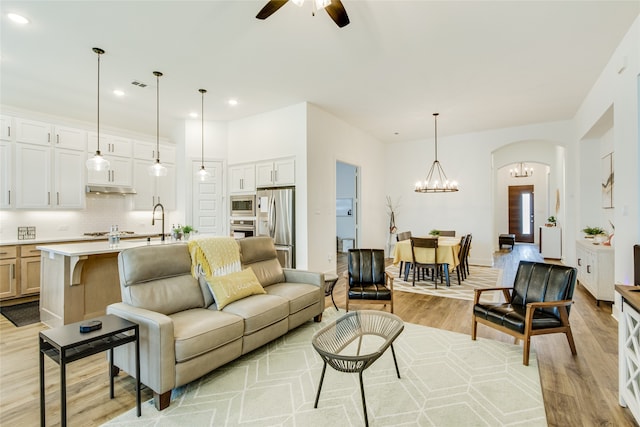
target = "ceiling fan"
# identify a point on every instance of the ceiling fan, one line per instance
(334, 8)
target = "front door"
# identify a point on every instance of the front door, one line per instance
(521, 212)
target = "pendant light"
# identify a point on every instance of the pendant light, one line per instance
(436, 181)
(157, 169)
(97, 162)
(203, 174)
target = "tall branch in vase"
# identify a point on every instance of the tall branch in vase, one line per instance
(391, 210)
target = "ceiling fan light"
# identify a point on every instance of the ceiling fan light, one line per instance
(321, 4)
(298, 2)
(97, 163)
(157, 169)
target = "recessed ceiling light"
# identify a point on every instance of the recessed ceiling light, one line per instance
(118, 92)
(232, 102)
(194, 115)
(18, 19)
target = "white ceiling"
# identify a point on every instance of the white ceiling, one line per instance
(481, 64)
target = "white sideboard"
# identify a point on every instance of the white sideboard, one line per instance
(551, 242)
(628, 349)
(595, 265)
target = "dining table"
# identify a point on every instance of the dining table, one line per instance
(448, 254)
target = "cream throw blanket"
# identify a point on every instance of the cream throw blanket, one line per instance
(214, 256)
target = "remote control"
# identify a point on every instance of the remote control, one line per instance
(91, 325)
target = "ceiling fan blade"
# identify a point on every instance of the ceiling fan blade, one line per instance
(270, 8)
(337, 12)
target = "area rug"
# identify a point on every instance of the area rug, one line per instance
(22, 314)
(446, 380)
(478, 277)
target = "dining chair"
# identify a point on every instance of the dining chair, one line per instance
(447, 233)
(405, 235)
(460, 266)
(431, 245)
(467, 249)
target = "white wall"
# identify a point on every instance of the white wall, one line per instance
(617, 87)
(331, 140)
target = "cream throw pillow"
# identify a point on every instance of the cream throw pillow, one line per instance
(232, 287)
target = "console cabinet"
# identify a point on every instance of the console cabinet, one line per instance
(595, 265)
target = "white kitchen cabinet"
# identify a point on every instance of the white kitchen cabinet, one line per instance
(33, 176)
(7, 130)
(151, 190)
(68, 171)
(242, 178)
(279, 172)
(595, 265)
(71, 138)
(7, 192)
(148, 151)
(119, 173)
(109, 145)
(33, 132)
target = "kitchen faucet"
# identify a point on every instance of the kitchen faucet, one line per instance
(153, 218)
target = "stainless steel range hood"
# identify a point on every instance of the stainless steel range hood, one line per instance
(106, 189)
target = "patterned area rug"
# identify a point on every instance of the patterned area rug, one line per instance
(478, 277)
(446, 380)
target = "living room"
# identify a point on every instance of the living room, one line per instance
(605, 120)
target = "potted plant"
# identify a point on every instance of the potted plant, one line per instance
(434, 233)
(187, 230)
(551, 221)
(592, 232)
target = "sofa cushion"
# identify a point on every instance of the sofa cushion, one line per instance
(166, 296)
(299, 295)
(198, 331)
(232, 287)
(259, 311)
(260, 254)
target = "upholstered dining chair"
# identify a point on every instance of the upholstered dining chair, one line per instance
(430, 244)
(367, 279)
(460, 267)
(538, 303)
(464, 256)
(448, 233)
(405, 235)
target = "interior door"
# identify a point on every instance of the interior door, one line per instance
(521, 216)
(207, 200)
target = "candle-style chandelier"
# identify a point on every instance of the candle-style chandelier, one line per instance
(521, 172)
(436, 181)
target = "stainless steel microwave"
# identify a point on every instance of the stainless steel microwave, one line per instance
(243, 205)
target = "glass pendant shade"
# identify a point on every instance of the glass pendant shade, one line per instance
(203, 175)
(97, 162)
(157, 169)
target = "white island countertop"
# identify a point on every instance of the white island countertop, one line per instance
(100, 247)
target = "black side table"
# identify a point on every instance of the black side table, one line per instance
(67, 344)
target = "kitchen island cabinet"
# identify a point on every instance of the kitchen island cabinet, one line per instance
(79, 280)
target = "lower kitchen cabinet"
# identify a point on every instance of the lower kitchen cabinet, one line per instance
(19, 271)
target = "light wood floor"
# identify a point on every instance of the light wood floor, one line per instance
(578, 390)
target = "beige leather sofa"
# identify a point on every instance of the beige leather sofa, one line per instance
(182, 333)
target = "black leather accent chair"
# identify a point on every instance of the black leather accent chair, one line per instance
(368, 281)
(538, 303)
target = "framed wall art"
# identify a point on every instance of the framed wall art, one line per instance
(607, 181)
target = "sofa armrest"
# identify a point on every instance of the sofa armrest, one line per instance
(157, 347)
(304, 276)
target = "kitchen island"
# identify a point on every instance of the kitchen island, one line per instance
(79, 280)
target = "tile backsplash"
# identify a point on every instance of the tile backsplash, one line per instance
(99, 214)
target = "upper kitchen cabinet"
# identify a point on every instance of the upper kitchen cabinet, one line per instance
(7, 193)
(242, 178)
(71, 138)
(150, 189)
(110, 145)
(274, 173)
(119, 173)
(148, 151)
(33, 176)
(7, 129)
(33, 132)
(68, 179)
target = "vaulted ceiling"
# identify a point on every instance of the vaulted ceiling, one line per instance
(481, 64)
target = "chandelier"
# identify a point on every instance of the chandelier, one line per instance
(521, 172)
(436, 181)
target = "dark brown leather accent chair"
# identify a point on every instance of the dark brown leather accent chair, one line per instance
(368, 281)
(538, 303)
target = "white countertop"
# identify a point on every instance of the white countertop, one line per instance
(74, 239)
(100, 247)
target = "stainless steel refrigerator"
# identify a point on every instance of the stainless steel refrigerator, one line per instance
(276, 218)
